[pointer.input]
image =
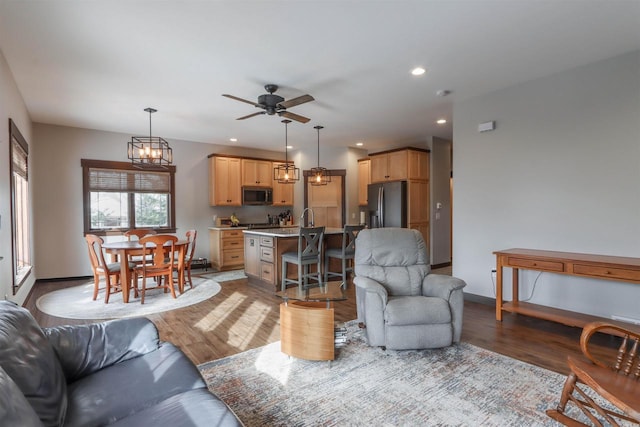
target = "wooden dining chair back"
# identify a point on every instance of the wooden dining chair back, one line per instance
(344, 253)
(110, 271)
(160, 254)
(191, 238)
(138, 233)
(614, 379)
(309, 252)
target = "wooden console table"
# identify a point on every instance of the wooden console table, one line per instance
(604, 267)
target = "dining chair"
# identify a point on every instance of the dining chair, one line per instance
(110, 271)
(137, 234)
(158, 265)
(190, 250)
(345, 253)
(309, 252)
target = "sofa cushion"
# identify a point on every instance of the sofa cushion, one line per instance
(28, 358)
(417, 310)
(193, 408)
(14, 407)
(125, 388)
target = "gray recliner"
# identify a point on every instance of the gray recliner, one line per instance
(402, 305)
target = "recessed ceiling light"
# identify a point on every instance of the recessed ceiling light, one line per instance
(441, 121)
(289, 147)
(359, 144)
(233, 139)
(418, 71)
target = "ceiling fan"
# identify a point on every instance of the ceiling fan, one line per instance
(275, 104)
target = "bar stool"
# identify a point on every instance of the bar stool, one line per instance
(344, 253)
(309, 252)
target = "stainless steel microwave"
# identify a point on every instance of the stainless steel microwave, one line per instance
(257, 196)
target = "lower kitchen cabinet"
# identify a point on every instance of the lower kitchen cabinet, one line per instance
(226, 248)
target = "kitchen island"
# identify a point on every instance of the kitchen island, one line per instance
(263, 249)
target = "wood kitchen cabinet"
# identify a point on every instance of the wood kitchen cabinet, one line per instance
(224, 181)
(226, 248)
(398, 165)
(256, 173)
(364, 179)
(282, 193)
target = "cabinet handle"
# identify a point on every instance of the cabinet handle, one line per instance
(237, 256)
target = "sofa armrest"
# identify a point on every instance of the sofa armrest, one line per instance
(450, 289)
(370, 285)
(441, 285)
(84, 349)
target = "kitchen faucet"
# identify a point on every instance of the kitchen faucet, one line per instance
(302, 216)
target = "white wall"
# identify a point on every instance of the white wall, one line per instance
(11, 106)
(560, 172)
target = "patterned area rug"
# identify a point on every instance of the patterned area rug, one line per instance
(460, 385)
(77, 303)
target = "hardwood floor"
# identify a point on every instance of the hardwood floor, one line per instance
(245, 315)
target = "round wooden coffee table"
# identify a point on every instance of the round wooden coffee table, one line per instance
(306, 321)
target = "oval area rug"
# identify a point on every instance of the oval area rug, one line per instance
(76, 302)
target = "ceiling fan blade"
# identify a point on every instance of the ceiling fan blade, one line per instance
(242, 100)
(293, 116)
(295, 101)
(251, 115)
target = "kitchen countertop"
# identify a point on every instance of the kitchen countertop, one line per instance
(227, 227)
(286, 232)
(245, 227)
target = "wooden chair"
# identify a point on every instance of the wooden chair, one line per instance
(191, 237)
(615, 380)
(309, 252)
(137, 234)
(111, 271)
(156, 247)
(345, 253)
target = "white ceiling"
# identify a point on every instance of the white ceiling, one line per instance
(98, 64)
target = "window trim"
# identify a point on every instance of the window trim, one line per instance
(107, 164)
(15, 134)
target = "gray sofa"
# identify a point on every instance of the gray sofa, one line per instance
(401, 304)
(117, 373)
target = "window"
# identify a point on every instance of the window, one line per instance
(119, 196)
(21, 230)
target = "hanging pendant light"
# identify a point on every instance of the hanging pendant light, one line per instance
(319, 175)
(286, 173)
(149, 151)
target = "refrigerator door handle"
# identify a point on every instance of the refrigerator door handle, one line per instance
(381, 205)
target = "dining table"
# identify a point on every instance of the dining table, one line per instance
(125, 248)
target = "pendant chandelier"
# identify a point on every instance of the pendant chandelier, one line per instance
(286, 173)
(149, 151)
(319, 175)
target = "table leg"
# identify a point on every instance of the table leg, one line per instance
(181, 256)
(125, 276)
(515, 287)
(499, 288)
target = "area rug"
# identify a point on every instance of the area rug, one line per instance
(77, 302)
(462, 385)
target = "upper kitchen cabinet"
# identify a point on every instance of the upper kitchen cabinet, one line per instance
(364, 179)
(256, 173)
(224, 181)
(397, 165)
(282, 193)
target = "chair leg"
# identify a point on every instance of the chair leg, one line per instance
(302, 278)
(96, 285)
(170, 283)
(284, 275)
(189, 275)
(344, 272)
(144, 288)
(107, 288)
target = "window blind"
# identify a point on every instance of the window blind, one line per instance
(129, 181)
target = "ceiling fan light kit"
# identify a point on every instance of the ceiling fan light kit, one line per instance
(151, 151)
(319, 175)
(273, 104)
(286, 173)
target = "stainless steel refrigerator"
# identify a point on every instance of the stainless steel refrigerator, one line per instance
(387, 204)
